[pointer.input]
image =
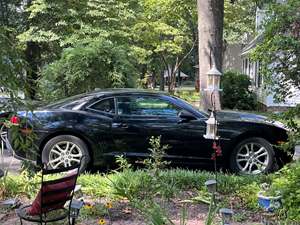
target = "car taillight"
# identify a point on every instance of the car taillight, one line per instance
(15, 120)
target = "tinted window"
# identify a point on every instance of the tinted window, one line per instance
(70, 102)
(146, 106)
(106, 105)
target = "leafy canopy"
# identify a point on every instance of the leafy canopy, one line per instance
(98, 64)
(279, 52)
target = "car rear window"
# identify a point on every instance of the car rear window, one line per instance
(70, 103)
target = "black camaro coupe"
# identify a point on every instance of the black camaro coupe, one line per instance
(107, 123)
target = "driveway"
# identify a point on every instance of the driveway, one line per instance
(9, 162)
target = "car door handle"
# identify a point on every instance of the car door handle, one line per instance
(119, 125)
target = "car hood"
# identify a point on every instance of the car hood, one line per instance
(232, 115)
(247, 117)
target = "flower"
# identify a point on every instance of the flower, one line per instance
(108, 205)
(15, 120)
(101, 221)
(88, 206)
(218, 150)
(213, 156)
(214, 145)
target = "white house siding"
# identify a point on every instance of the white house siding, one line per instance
(266, 97)
(251, 69)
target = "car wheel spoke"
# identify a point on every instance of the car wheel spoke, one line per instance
(75, 160)
(77, 155)
(252, 147)
(67, 146)
(56, 152)
(262, 154)
(56, 165)
(57, 147)
(248, 150)
(73, 146)
(259, 151)
(242, 155)
(55, 160)
(260, 162)
(242, 160)
(250, 167)
(246, 166)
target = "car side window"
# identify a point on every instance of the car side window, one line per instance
(145, 106)
(106, 105)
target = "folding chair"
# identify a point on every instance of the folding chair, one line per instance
(49, 205)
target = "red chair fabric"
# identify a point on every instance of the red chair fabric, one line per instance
(55, 194)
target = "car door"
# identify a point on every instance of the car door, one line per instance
(141, 117)
(130, 128)
(100, 114)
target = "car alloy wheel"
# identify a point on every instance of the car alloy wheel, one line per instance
(252, 158)
(64, 151)
(65, 154)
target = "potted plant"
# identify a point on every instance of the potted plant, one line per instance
(269, 199)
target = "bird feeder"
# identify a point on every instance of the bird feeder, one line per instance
(226, 215)
(213, 79)
(211, 127)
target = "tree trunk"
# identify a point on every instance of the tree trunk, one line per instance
(171, 79)
(210, 28)
(33, 58)
(161, 81)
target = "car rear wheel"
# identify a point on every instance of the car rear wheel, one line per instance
(64, 151)
(253, 156)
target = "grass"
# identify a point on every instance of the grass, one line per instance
(138, 185)
(190, 96)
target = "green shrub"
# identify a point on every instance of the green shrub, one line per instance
(287, 181)
(236, 93)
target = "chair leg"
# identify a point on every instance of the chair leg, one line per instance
(71, 221)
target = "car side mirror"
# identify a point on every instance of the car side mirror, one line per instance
(186, 116)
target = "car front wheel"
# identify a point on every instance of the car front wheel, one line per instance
(253, 156)
(65, 151)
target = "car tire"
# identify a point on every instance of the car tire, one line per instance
(65, 150)
(253, 156)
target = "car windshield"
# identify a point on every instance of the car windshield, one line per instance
(70, 102)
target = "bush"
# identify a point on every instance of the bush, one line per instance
(97, 64)
(287, 181)
(236, 93)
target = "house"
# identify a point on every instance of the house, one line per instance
(252, 69)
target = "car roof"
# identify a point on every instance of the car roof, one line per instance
(78, 99)
(100, 92)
